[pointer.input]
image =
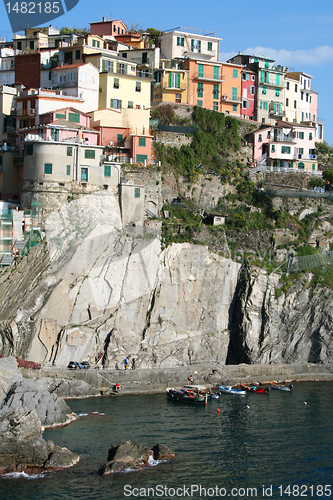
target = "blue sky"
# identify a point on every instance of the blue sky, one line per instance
(298, 34)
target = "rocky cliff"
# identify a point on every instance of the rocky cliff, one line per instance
(94, 289)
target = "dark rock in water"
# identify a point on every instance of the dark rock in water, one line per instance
(162, 452)
(22, 447)
(132, 456)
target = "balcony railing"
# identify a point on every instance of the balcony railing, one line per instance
(276, 111)
(211, 77)
(301, 156)
(26, 112)
(231, 98)
(167, 87)
(283, 138)
(271, 83)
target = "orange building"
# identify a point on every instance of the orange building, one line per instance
(204, 83)
(231, 96)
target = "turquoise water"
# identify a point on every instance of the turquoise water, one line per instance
(256, 440)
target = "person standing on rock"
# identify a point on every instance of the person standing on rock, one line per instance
(126, 363)
(133, 364)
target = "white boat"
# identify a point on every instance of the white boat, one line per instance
(231, 390)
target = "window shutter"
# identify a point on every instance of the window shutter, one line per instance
(277, 79)
(192, 45)
(120, 104)
(111, 103)
(199, 46)
(178, 80)
(170, 79)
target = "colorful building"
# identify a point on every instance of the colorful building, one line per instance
(231, 96)
(124, 134)
(204, 83)
(171, 85)
(248, 108)
(285, 145)
(186, 43)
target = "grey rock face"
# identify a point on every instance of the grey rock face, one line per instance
(22, 447)
(18, 392)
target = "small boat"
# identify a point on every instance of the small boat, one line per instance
(282, 387)
(231, 390)
(254, 388)
(214, 396)
(187, 396)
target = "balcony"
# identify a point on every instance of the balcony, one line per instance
(179, 89)
(301, 156)
(26, 112)
(271, 83)
(274, 110)
(231, 98)
(283, 138)
(209, 77)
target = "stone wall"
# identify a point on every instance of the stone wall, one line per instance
(173, 139)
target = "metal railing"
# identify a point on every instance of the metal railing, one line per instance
(231, 98)
(209, 76)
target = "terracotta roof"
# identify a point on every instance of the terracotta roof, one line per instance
(68, 66)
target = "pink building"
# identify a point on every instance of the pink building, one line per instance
(285, 146)
(108, 28)
(248, 94)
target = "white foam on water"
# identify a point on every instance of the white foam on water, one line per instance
(24, 475)
(153, 462)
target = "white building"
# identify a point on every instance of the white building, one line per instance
(183, 43)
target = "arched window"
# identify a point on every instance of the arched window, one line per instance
(301, 165)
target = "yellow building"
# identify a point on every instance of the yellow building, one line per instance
(122, 86)
(171, 85)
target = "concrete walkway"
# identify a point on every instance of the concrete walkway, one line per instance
(157, 380)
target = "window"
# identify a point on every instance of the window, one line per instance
(89, 153)
(234, 93)
(1, 160)
(130, 104)
(269, 134)
(251, 90)
(310, 136)
(30, 150)
(137, 192)
(215, 106)
(199, 103)
(210, 46)
(216, 92)
(68, 170)
(264, 90)
(277, 93)
(141, 159)
(260, 138)
(47, 168)
(295, 104)
(122, 68)
(69, 151)
(116, 103)
(234, 107)
(180, 41)
(307, 97)
(137, 86)
(178, 98)
(124, 55)
(174, 80)
(216, 72)
(196, 45)
(107, 170)
(287, 101)
(200, 89)
(74, 117)
(277, 79)
(144, 57)
(285, 149)
(119, 139)
(295, 87)
(107, 65)
(288, 85)
(266, 64)
(84, 174)
(200, 70)
(310, 99)
(116, 83)
(245, 104)
(32, 44)
(273, 148)
(235, 73)
(19, 45)
(302, 94)
(78, 54)
(142, 142)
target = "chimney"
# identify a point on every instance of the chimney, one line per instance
(104, 19)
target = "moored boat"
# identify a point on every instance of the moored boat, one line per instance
(231, 390)
(254, 388)
(282, 387)
(187, 396)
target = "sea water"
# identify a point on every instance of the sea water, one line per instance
(257, 446)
